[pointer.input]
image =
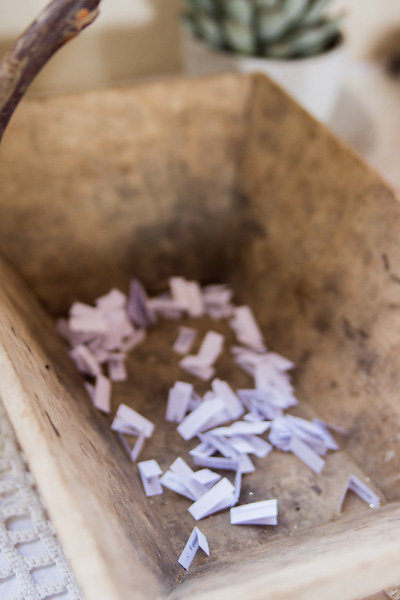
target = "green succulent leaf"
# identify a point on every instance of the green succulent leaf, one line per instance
(306, 42)
(274, 23)
(239, 38)
(294, 9)
(276, 28)
(204, 6)
(189, 25)
(315, 13)
(210, 31)
(240, 11)
(266, 4)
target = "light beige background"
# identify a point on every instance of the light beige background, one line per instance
(131, 38)
(137, 38)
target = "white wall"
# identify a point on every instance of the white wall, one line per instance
(140, 37)
(367, 21)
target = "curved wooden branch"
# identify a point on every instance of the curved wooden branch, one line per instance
(59, 22)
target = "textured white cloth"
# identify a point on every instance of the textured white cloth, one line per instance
(32, 564)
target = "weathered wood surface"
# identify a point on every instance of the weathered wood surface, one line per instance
(139, 168)
(184, 177)
(93, 497)
(327, 257)
(339, 560)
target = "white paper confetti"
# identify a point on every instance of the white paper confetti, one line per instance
(178, 401)
(190, 365)
(116, 367)
(101, 336)
(197, 420)
(201, 364)
(128, 419)
(187, 478)
(219, 497)
(115, 299)
(207, 477)
(187, 296)
(134, 451)
(237, 486)
(164, 306)
(362, 490)
(174, 483)
(242, 428)
(202, 449)
(306, 454)
(241, 462)
(211, 348)
(150, 472)
(185, 340)
(196, 540)
(255, 513)
(138, 307)
(260, 447)
(233, 406)
(217, 301)
(219, 444)
(102, 394)
(85, 360)
(93, 323)
(246, 328)
(261, 404)
(129, 422)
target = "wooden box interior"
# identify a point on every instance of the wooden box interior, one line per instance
(222, 180)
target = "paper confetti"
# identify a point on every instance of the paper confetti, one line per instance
(231, 426)
(220, 496)
(363, 491)
(255, 513)
(150, 472)
(178, 401)
(185, 340)
(196, 540)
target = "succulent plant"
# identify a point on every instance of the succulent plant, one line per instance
(269, 28)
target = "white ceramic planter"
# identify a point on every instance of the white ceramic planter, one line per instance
(314, 82)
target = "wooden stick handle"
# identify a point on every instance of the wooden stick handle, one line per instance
(59, 22)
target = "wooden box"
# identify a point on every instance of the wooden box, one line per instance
(222, 179)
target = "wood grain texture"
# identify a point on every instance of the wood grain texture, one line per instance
(96, 504)
(139, 168)
(221, 179)
(324, 244)
(339, 560)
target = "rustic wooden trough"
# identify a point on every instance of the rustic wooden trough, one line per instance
(222, 179)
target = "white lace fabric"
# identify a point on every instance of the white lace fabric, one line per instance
(32, 564)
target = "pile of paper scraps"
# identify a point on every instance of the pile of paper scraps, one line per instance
(227, 423)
